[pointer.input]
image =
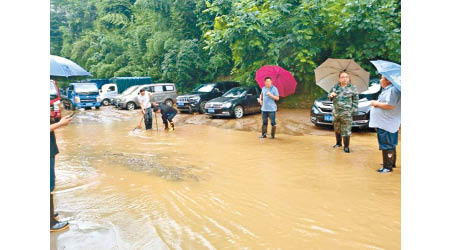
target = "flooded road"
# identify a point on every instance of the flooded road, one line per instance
(212, 184)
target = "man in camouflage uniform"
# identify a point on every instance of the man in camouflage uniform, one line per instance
(345, 104)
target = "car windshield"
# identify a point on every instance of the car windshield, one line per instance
(129, 90)
(205, 88)
(86, 88)
(235, 92)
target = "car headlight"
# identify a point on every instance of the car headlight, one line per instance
(227, 105)
(314, 110)
(77, 99)
(319, 104)
(195, 98)
(98, 98)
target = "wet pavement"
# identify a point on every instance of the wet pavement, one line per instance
(213, 184)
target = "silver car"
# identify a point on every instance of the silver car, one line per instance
(161, 92)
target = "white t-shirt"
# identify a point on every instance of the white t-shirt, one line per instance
(144, 100)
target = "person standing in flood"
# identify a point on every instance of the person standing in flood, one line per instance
(385, 116)
(167, 114)
(345, 104)
(55, 225)
(269, 94)
(144, 101)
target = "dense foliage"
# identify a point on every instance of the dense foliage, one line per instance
(192, 41)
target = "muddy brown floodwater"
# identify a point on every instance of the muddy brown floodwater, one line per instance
(213, 184)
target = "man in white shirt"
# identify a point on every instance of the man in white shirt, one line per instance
(144, 101)
(385, 116)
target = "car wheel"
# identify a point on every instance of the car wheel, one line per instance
(131, 106)
(202, 110)
(169, 103)
(106, 102)
(238, 112)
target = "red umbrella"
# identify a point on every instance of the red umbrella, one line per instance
(281, 78)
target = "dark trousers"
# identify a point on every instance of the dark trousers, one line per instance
(267, 114)
(168, 116)
(52, 173)
(148, 118)
(387, 140)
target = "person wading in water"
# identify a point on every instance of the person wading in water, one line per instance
(269, 94)
(167, 114)
(55, 225)
(345, 104)
(385, 116)
(144, 101)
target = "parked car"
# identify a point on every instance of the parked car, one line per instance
(195, 101)
(82, 95)
(236, 103)
(107, 93)
(162, 92)
(322, 109)
(55, 100)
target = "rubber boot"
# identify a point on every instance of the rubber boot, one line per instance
(272, 133)
(395, 159)
(388, 161)
(338, 140)
(172, 125)
(56, 226)
(264, 131)
(346, 144)
(166, 126)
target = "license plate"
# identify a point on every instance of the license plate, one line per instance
(211, 111)
(180, 103)
(328, 118)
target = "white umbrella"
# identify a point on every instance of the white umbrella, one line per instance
(327, 74)
(60, 66)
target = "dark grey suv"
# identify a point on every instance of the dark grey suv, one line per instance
(197, 98)
(322, 109)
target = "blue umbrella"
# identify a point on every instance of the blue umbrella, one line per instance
(391, 71)
(60, 66)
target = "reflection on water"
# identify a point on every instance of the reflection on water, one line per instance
(203, 187)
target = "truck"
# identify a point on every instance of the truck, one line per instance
(107, 93)
(125, 82)
(99, 81)
(82, 95)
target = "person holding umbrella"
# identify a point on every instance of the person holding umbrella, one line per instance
(345, 103)
(352, 79)
(385, 114)
(269, 95)
(275, 82)
(59, 67)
